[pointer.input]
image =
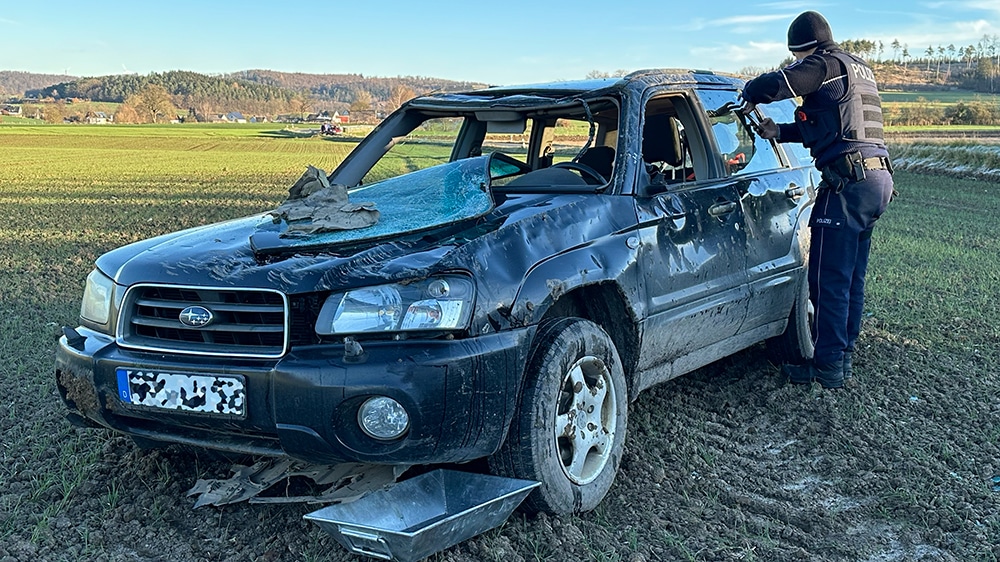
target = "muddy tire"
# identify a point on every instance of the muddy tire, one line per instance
(145, 445)
(795, 345)
(569, 429)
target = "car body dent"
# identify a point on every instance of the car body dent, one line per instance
(674, 283)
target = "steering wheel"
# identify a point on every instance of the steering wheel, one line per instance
(584, 170)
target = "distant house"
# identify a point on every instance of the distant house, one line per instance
(321, 117)
(342, 118)
(231, 117)
(97, 118)
(10, 109)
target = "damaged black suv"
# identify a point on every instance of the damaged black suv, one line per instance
(492, 274)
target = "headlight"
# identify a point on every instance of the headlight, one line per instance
(438, 303)
(97, 296)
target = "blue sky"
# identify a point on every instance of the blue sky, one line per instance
(505, 42)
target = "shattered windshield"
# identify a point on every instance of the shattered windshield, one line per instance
(424, 199)
(429, 144)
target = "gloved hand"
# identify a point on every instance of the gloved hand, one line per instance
(768, 129)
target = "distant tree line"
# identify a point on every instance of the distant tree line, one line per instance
(354, 91)
(253, 92)
(199, 95)
(922, 112)
(15, 83)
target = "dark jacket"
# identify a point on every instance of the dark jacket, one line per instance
(822, 80)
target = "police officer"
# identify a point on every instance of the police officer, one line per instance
(840, 122)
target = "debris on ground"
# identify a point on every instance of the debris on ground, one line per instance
(344, 482)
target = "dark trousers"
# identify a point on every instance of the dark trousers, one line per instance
(841, 226)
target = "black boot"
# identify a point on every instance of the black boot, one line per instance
(799, 374)
(830, 375)
(848, 371)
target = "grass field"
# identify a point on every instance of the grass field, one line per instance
(897, 471)
(945, 97)
(73, 192)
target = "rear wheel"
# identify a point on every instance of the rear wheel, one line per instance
(795, 344)
(569, 430)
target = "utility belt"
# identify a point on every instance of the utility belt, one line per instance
(851, 167)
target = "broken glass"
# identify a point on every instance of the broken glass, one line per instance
(421, 200)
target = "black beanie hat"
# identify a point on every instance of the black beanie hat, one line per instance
(808, 30)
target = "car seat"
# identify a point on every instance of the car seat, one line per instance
(662, 149)
(601, 159)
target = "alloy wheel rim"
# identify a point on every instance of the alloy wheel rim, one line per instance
(586, 420)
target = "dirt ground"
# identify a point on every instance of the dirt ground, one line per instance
(723, 464)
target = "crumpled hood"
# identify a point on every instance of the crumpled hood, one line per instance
(417, 210)
(507, 240)
(221, 255)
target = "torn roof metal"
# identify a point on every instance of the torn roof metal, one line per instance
(526, 95)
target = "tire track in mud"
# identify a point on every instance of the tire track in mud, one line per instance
(746, 460)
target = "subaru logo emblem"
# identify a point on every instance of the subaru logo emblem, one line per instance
(196, 316)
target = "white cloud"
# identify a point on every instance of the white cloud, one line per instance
(733, 57)
(743, 20)
(9, 22)
(958, 33)
(985, 5)
(991, 6)
(739, 24)
(791, 5)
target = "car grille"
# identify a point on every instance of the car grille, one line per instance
(246, 322)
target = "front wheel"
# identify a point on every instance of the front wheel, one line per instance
(569, 430)
(795, 344)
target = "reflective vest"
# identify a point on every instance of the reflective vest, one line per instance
(825, 119)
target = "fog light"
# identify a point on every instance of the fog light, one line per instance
(383, 418)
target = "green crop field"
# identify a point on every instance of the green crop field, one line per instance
(72, 192)
(945, 97)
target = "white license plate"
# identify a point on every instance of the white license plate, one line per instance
(183, 392)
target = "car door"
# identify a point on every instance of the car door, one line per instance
(691, 244)
(772, 194)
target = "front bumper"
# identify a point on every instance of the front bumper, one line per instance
(460, 395)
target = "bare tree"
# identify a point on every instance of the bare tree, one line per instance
(398, 96)
(153, 103)
(126, 114)
(362, 100)
(970, 53)
(54, 112)
(299, 105)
